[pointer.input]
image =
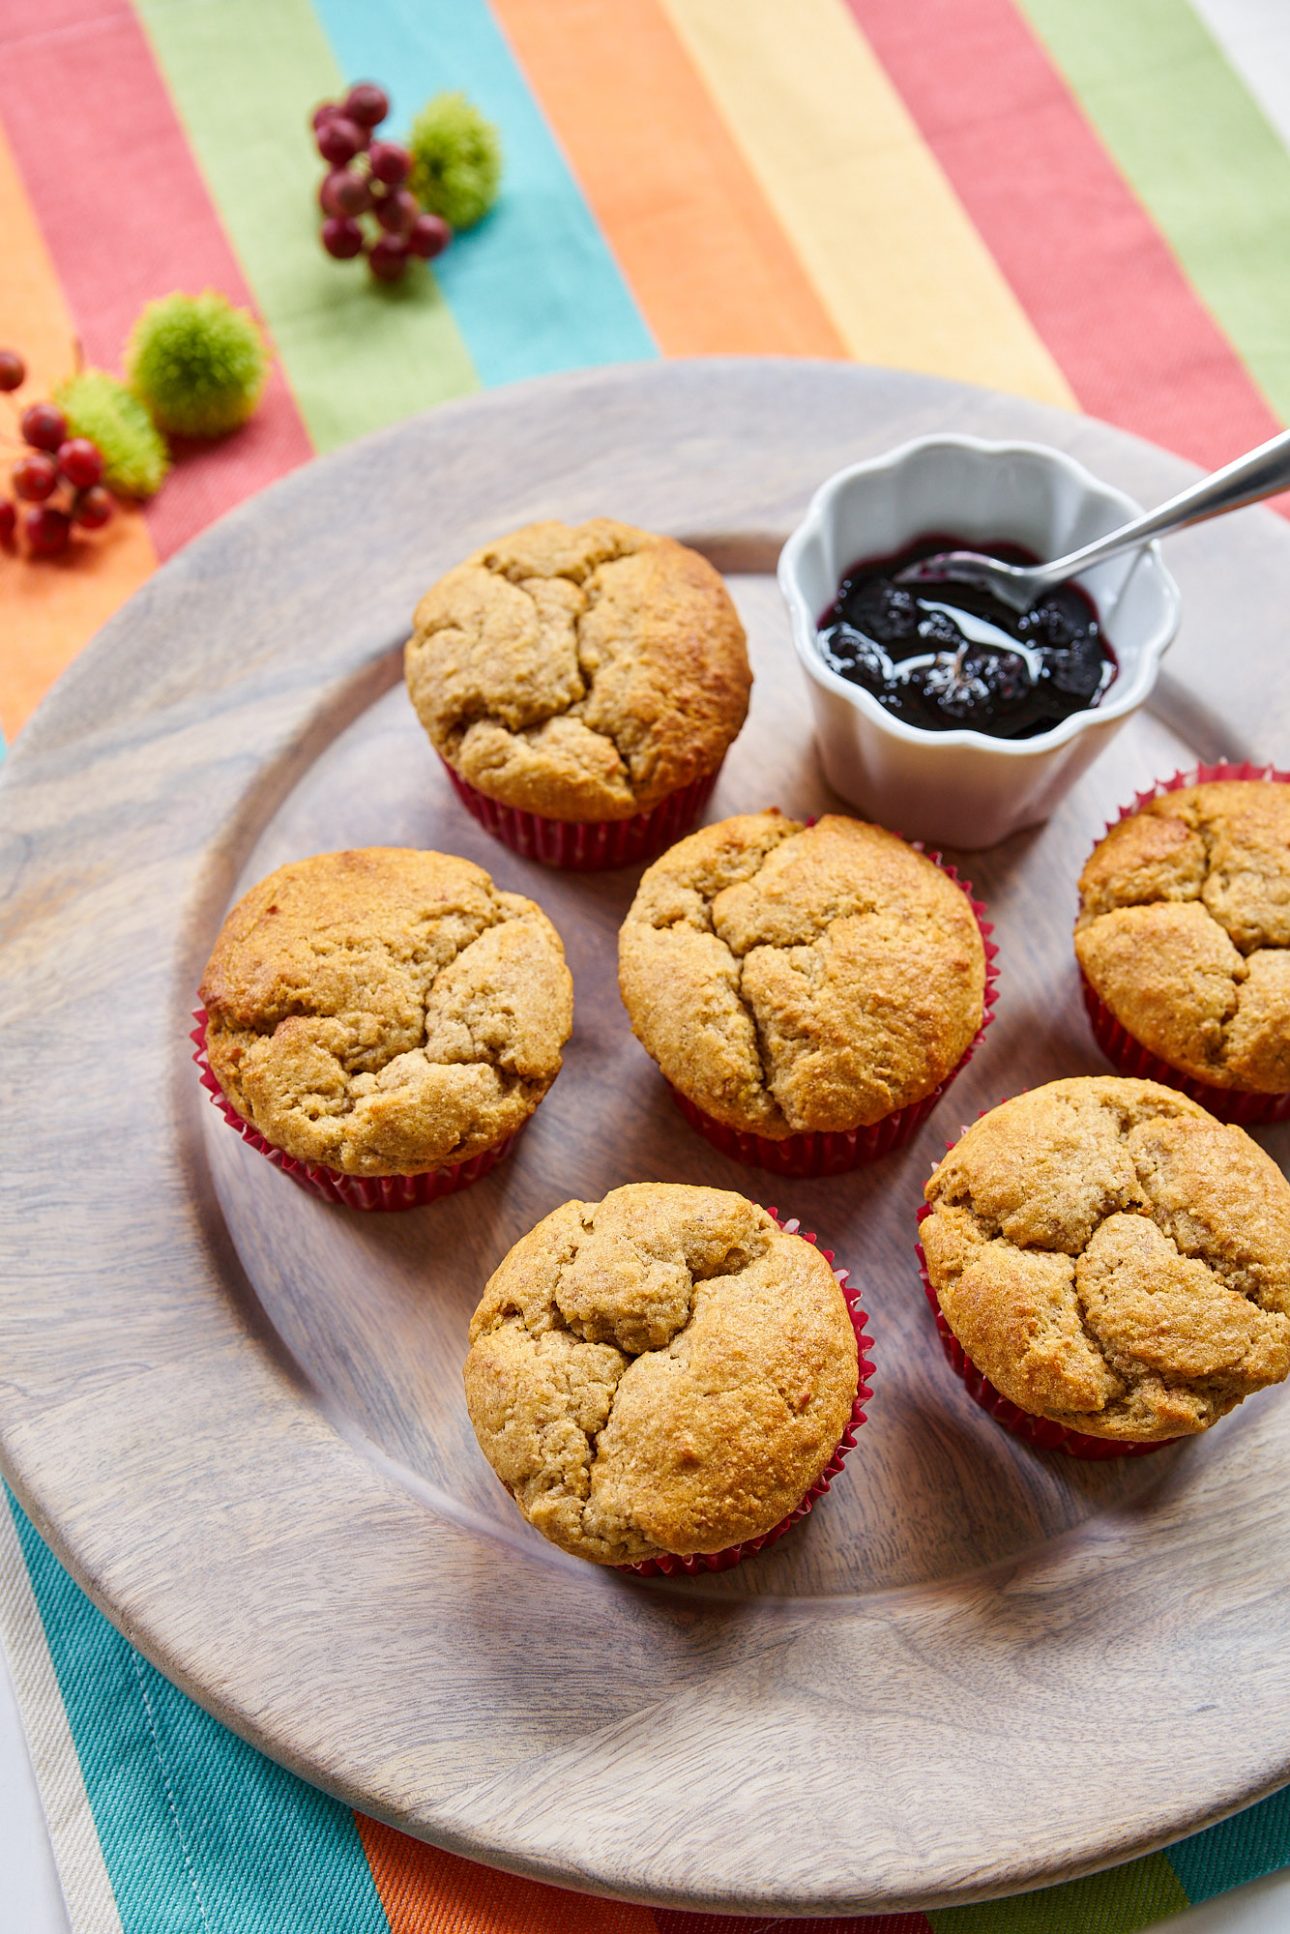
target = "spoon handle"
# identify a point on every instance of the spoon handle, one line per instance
(1259, 473)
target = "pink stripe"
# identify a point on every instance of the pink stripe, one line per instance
(1088, 264)
(126, 217)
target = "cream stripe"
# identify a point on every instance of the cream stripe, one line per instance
(87, 1890)
(877, 226)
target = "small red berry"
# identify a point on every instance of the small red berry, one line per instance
(43, 426)
(325, 111)
(8, 521)
(342, 238)
(388, 258)
(81, 462)
(340, 139)
(398, 211)
(389, 162)
(429, 236)
(344, 193)
(47, 531)
(35, 477)
(13, 370)
(367, 104)
(93, 508)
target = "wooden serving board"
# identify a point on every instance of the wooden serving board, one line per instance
(237, 1413)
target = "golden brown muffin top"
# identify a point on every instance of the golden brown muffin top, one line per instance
(663, 1371)
(788, 978)
(1184, 930)
(1113, 1258)
(580, 671)
(386, 1011)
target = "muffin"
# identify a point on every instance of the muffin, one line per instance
(1183, 940)
(808, 991)
(582, 684)
(665, 1372)
(385, 1013)
(1111, 1260)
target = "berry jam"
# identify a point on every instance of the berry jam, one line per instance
(949, 657)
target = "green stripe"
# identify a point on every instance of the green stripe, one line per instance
(244, 75)
(1197, 149)
(535, 287)
(1117, 1902)
(200, 1834)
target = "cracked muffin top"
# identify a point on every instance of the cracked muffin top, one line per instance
(663, 1371)
(1113, 1258)
(790, 979)
(1184, 931)
(386, 1011)
(580, 671)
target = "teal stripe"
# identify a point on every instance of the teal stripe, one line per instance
(200, 1833)
(1246, 1847)
(243, 75)
(535, 287)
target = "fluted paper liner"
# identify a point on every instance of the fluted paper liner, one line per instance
(587, 845)
(1040, 1431)
(670, 1566)
(379, 1192)
(834, 1153)
(1122, 1049)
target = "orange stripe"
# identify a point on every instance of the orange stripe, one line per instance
(426, 1891)
(50, 608)
(708, 263)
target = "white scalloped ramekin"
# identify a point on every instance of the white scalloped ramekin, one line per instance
(963, 788)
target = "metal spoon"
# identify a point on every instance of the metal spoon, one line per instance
(1260, 473)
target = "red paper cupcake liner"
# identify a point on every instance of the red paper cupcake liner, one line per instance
(1122, 1049)
(834, 1153)
(1127, 1054)
(587, 845)
(1040, 1431)
(669, 1566)
(379, 1192)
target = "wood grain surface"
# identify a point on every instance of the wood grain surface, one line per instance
(237, 1413)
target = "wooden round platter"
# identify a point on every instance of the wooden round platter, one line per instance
(237, 1415)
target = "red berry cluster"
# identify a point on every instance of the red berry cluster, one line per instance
(369, 178)
(59, 482)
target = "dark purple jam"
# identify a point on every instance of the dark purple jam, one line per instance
(949, 657)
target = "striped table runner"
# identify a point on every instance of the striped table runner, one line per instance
(1084, 201)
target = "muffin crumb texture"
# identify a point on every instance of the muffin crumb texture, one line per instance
(580, 671)
(665, 1371)
(386, 1011)
(1184, 931)
(1113, 1258)
(790, 979)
